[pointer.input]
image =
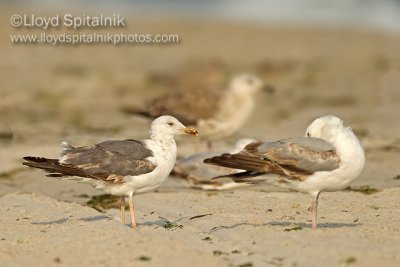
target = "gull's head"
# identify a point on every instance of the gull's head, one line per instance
(170, 126)
(325, 127)
(246, 84)
(241, 144)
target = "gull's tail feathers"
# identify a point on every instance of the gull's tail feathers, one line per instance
(52, 167)
(245, 162)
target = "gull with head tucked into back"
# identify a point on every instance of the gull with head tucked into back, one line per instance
(329, 158)
(120, 167)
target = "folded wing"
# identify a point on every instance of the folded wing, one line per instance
(187, 107)
(109, 161)
(294, 158)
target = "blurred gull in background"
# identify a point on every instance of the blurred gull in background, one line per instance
(216, 114)
(198, 175)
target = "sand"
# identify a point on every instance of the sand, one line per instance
(51, 94)
(264, 229)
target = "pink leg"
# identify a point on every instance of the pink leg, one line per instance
(314, 211)
(132, 211)
(209, 145)
(122, 209)
(197, 146)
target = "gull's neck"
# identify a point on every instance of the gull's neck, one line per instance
(236, 107)
(166, 147)
(349, 149)
(165, 139)
(345, 141)
(164, 154)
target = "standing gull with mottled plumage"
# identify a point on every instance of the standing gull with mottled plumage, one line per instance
(217, 114)
(120, 167)
(329, 158)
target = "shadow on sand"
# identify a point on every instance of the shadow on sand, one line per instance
(63, 220)
(300, 226)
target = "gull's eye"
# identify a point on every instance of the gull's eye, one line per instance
(170, 123)
(308, 134)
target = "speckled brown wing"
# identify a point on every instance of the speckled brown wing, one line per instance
(110, 160)
(298, 155)
(187, 106)
(244, 161)
(295, 158)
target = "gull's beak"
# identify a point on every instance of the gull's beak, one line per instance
(191, 131)
(268, 88)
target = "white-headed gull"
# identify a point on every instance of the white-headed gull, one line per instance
(120, 167)
(329, 158)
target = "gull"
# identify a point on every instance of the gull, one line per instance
(207, 74)
(120, 167)
(199, 175)
(328, 159)
(216, 114)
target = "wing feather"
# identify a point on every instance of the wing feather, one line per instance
(294, 158)
(187, 106)
(301, 154)
(110, 160)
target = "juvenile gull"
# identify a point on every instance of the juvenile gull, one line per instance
(217, 114)
(120, 167)
(329, 158)
(199, 175)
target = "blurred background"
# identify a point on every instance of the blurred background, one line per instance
(322, 57)
(338, 57)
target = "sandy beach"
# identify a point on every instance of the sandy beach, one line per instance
(54, 93)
